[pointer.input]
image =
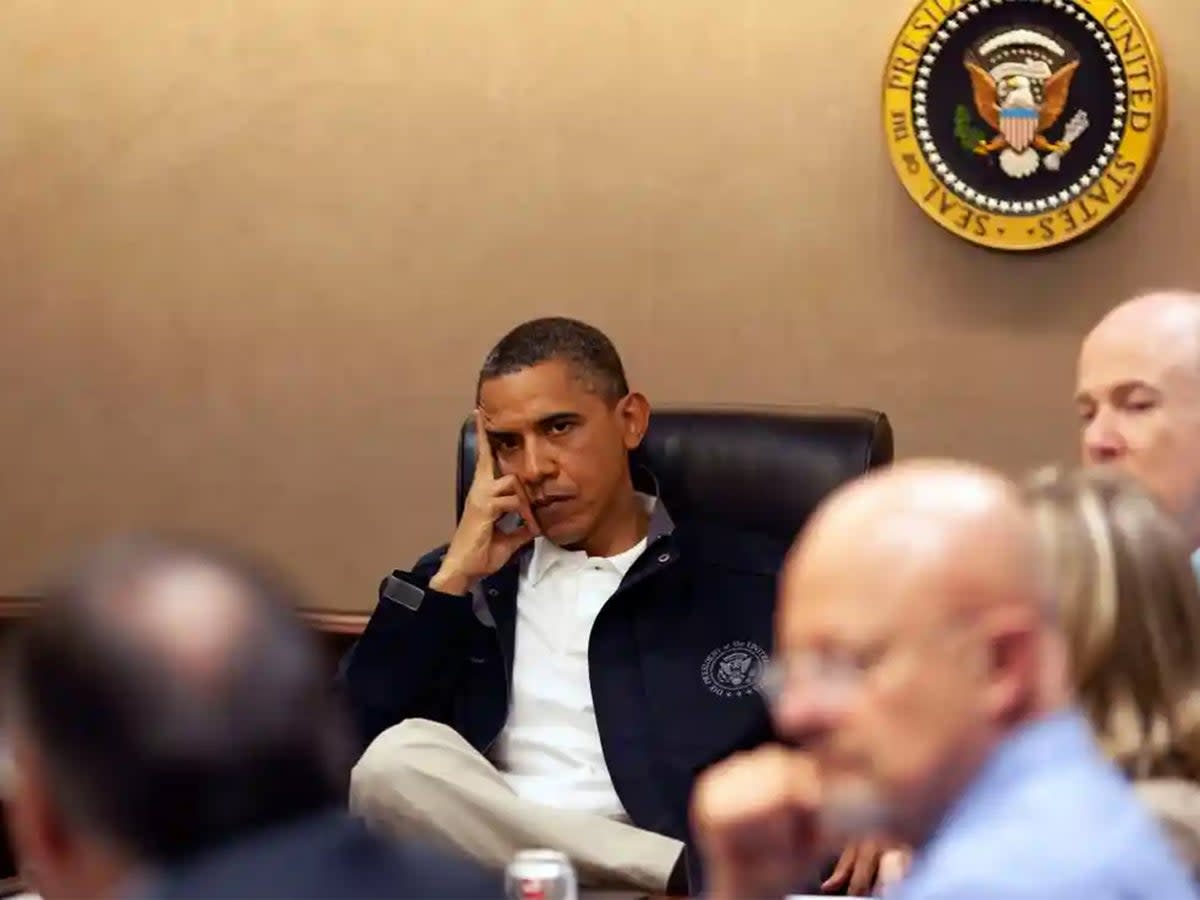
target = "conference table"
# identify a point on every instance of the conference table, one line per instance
(638, 895)
(583, 895)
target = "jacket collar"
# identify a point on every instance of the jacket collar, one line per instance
(543, 556)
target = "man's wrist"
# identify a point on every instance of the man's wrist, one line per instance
(448, 581)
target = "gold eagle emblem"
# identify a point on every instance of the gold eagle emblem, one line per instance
(1013, 110)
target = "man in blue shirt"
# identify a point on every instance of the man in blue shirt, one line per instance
(1138, 397)
(922, 681)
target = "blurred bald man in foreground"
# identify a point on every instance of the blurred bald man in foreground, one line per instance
(923, 683)
(1138, 395)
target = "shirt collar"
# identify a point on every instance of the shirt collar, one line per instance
(546, 555)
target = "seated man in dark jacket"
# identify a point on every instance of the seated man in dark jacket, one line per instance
(172, 734)
(566, 666)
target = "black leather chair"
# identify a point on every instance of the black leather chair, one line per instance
(762, 470)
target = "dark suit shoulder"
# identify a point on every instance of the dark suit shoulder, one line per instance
(329, 855)
(703, 543)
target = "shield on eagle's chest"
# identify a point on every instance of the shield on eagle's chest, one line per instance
(1019, 124)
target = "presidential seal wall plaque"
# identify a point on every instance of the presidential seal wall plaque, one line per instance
(1023, 124)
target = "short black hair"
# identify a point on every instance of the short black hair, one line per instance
(585, 348)
(142, 752)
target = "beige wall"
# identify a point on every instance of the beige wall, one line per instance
(253, 251)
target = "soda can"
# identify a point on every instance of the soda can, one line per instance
(540, 875)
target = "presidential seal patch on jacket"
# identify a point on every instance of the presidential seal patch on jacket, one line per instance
(1023, 124)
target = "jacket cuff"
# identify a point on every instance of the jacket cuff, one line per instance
(404, 589)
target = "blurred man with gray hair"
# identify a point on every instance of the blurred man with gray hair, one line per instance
(171, 733)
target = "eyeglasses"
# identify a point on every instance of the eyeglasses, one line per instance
(835, 676)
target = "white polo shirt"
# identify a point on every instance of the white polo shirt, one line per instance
(549, 749)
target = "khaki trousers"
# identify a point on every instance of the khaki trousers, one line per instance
(422, 779)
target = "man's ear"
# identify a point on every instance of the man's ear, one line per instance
(1013, 668)
(634, 412)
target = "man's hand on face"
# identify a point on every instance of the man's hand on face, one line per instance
(755, 816)
(478, 547)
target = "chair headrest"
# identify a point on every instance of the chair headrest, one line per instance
(754, 470)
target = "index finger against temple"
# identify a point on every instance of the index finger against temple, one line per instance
(484, 462)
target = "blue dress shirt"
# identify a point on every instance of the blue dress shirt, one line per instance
(1049, 818)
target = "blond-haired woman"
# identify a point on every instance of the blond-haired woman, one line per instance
(1130, 609)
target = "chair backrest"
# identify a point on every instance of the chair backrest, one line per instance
(762, 470)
